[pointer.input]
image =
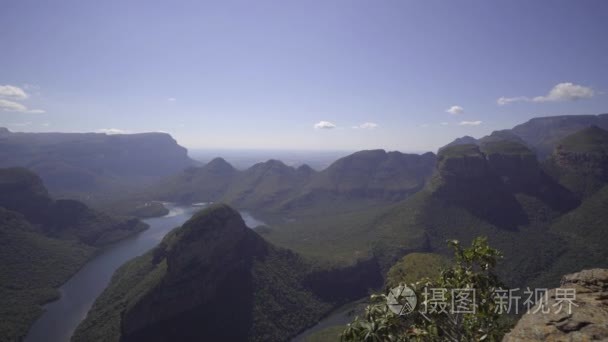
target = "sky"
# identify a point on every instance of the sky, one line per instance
(304, 75)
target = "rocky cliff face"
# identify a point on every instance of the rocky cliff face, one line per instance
(465, 178)
(580, 161)
(588, 320)
(543, 134)
(222, 282)
(69, 162)
(375, 173)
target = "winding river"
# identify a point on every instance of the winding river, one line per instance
(61, 317)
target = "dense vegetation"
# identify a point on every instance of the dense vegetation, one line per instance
(472, 270)
(369, 215)
(275, 187)
(42, 243)
(213, 278)
(503, 193)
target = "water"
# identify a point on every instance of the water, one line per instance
(61, 317)
(340, 317)
(251, 221)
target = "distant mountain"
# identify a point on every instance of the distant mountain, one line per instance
(197, 184)
(544, 133)
(93, 162)
(274, 186)
(375, 173)
(42, 243)
(266, 184)
(495, 188)
(466, 140)
(580, 161)
(213, 279)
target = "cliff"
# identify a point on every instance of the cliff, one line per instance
(587, 320)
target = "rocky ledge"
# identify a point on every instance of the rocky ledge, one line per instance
(588, 320)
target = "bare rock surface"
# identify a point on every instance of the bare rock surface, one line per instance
(587, 321)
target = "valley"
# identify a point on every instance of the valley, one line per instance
(322, 238)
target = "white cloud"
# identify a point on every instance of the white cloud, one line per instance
(9, 94)
(110, 131)
(367, 125)
(566, 91)
(444, 123)
(506, 100)
(470, 123)
(172, 99)
(10, 106)
(424, 125)
(324, 125)
(12, 92)
(455, 110)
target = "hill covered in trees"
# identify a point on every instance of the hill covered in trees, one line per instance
(42, 243)
(214, 278)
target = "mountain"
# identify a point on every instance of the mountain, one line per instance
(198, 184)
(42, 243)
(272, 186)
(266, 184)
(543, 133)
(77, 163)
(214, 279)
(24, 192)
(261, 186)
(497, 189)
(375, 173)
(466, 140)
(580, 161)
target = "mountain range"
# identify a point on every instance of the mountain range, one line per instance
(215, 279)
(539, 192)
(85, 164)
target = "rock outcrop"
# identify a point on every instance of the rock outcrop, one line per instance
(587, 321)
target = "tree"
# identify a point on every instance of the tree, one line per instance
(472, 272)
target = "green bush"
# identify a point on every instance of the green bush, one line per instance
(472, 269)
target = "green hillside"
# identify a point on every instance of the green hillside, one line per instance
(213, 278)
(272, 187)
(584, 232)
(42, 243)
(501, 193)
(580, 161)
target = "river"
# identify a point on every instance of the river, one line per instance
(61, 317)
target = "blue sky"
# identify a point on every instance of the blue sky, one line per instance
(300, 74)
